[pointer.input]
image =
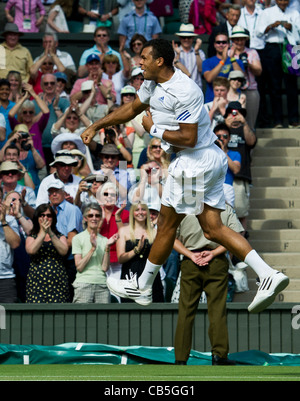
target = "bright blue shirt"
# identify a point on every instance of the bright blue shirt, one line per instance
(234, 156)
(208, 65)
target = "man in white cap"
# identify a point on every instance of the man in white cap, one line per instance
(187, 54)
(64, 162)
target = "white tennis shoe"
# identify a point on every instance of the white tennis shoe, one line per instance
(129, 288)
(267, 291)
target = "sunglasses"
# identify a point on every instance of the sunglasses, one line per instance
(12, 172)
(108, 194)
(137, 44)
(52, 83)
(155, 147)
(49, 215)
(225, 136)
(90, 215)
(221, 42)
(47, 63)
(237, 79)
(27, 112)
(101, 35)
(72, 118)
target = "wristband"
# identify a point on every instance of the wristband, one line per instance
(233, 60)
(221, 62)
(4, 225)
(158, 133)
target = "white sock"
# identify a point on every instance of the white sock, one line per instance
(148, 276)
(260, 267)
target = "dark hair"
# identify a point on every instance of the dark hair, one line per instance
(161, 48)
(221, 126)
(12, 146)
(37, 213)
(4, 82)
(135, 37)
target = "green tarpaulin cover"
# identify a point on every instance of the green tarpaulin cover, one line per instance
(89, 353)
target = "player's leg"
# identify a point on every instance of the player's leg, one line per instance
(271, 281)
(140, 290)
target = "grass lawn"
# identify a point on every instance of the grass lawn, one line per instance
(147, 373)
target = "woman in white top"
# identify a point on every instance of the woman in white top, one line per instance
(57, 16)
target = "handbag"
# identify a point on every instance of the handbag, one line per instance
(290, 64)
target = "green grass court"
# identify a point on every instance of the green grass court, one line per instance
(147, 373)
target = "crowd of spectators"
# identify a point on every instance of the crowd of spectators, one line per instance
(73, 214)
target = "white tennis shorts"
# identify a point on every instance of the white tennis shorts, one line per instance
(196, 177)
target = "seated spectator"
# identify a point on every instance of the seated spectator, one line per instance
(21, 258)
(47, 280)
(110, 167)
(64, 162)
(137, 78)
(20, 148)
(101, 48)
(50, 40)
(15, 57)
(141, 138)
(136, 45)
(25, 14)
(234, 161)
(91, 253)
(69, 223)
(61, 82)
(25, 110)
(140, 20)
(5, 107)
(191, 57)
(48, 63)
(57, 107)
(219, 65)
(253, 70)
(149, 189)
(155, 152)
(119, 76)
(122, 138)
(88, 188)
(82, 168)
(114, 218)
(104, 87)
(133, 247)
(9, 240)
(217, 107)
(236, 82)
(59, 11)
(15, 81)
(10, 174)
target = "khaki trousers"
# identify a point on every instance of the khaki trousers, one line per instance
(213, 279)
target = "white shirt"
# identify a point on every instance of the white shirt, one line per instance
(249, 21)
(277, 35)
(179, 100)
(70, 187)
(2, 121)
(64, 57)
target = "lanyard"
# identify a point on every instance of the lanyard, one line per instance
(145, 24)
(29, 11)
(247, 22)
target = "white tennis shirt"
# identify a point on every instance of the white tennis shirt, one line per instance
(179, 100)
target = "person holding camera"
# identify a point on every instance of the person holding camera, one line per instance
(25, 111)
(253, 69)
(242, 140)
(20, 148)
(87, 189)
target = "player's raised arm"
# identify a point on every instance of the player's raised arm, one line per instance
(121, 115)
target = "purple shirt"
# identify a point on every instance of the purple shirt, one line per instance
(36, 129)
(30, 7)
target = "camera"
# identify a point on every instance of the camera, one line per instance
(89, 185)
(234, 112)
(110, 134)
(24, 135)
(244, 59)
